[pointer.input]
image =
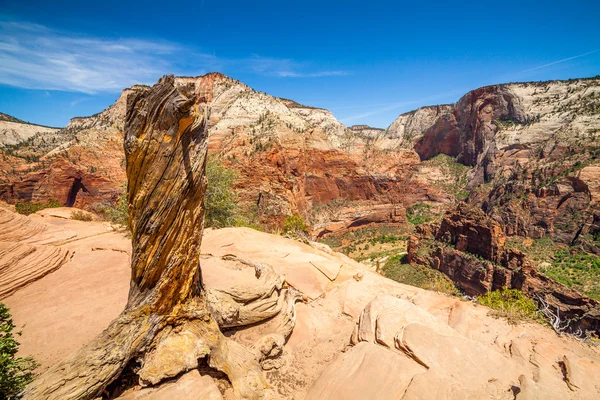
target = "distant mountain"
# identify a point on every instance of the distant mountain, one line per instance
(532, 141)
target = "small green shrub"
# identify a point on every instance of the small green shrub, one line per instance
(462, 195)
(578, 270)
(294, 224)
(29, 207)
(15, 372)
(81, 215)
(118, 213)
(511, 304)
(387, 239)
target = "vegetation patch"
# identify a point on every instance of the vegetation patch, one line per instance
(220, 200)
(387, 239)
(454, 177)
(538, 250)
(118, 213)
(571, 266)
(369, 243)
(222, 206)
(295, 224)
(512, 304)
(427, 278)
(419, 213)
(29, 207)
(15, 372)
(81, 215)
(578, 270)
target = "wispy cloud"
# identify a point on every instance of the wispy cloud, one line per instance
(282, 68)
(560, 61)
(36, 57)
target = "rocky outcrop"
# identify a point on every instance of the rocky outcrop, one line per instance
(411, 126)
(344, 219)
(562, 209)
(25, 251)
(359, 335)
(22, 264)
(468, 132)
(527, 143)
(469, 248)
(65, 182)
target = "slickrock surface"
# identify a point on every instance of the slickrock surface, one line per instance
(357, 334)
(21, 264)
(28, 250)
(62, 311)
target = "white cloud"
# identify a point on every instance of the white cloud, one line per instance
(35, 57)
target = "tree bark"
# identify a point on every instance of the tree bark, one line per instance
(167, 324)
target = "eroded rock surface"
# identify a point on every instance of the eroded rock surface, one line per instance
(356, 335)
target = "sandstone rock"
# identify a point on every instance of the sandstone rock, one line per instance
(366, 371)
(409, 127)
(457, 340)
(15, 132)
(22, 264)
(191, 385)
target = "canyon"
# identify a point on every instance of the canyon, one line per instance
(264, 316)
(531, 149)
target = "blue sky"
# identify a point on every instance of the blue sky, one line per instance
(367, 62)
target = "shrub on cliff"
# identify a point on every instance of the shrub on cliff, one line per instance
(29, 207)
(295, 224)
(81, 215)
(419, 213)
(117, 213)
(511, 304)
(15, 372)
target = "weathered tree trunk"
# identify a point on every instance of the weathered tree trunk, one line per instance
(167, 324)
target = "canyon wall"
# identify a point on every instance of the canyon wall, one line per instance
(532, 148)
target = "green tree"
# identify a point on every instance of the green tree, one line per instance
(220, 201)
(15, 372)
